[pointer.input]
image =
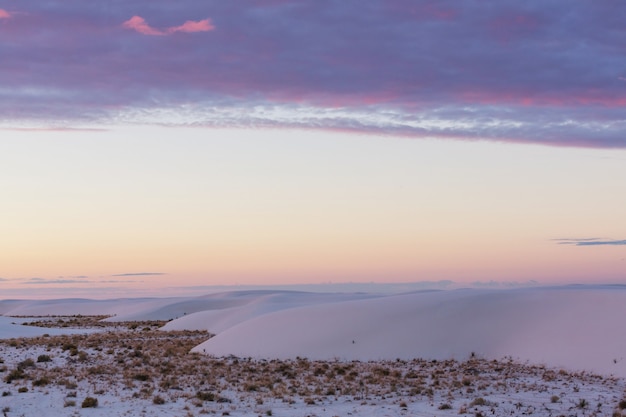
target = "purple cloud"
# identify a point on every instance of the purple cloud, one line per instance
(541, 71)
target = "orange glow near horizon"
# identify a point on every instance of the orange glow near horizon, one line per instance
(221, 207)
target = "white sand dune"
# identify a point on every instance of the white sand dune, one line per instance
(12, 328)
(238, 307)
(577, 328)
(75, 306)
(245, 304)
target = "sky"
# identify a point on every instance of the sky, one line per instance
(149, 146)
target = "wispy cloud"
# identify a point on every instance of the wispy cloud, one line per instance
(593, 241)
(41, 281)
(190, 26)
(504, 284)
(136, 274)
(4, 14)
(79, 279)
(139, 24)
(504, 71)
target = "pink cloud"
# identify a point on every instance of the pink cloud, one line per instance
(4, 14)
(139, 24)
(191, 26)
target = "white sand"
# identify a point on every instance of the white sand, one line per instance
(579, 328)
(574, 327)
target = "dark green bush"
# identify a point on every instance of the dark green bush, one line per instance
(90, 402)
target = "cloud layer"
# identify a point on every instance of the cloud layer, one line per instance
(541, 71)
(592, 241)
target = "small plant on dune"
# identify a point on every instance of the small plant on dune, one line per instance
(26, 363)
(554, 399)
(14, 375)
(205, 396)
(479, 401)
(41, 382)
(141, 377)
(44, 358)
(89, 402)
(622, 405)
(582, 403)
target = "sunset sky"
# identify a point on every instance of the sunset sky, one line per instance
(151, 145)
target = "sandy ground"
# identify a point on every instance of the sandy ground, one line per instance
(543, 351)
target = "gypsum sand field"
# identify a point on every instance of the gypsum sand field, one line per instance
(134, 369)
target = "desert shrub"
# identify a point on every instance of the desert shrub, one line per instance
(554, 399)
(582, 403)
(17, 373)
(622, 405)
(158, 400)
(22, 390)
(445, 406)
(41, 382)
(44, 358)
(89, 402)
(68, 346)
(6, 393)
(205, 396)
(26, 363)
(141, 377)
(478, 401)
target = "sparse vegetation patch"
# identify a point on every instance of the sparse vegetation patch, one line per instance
(141, 365)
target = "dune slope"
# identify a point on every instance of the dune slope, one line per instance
(577, 328)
